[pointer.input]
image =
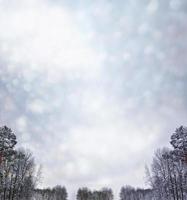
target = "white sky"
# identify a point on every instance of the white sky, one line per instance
(93, 88)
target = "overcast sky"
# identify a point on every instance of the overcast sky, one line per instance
(93, 88)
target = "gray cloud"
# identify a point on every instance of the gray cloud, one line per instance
(93, 88)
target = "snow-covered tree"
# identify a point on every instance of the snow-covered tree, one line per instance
(168, 176)
(7, 143)
(17, 169)
(179, 143)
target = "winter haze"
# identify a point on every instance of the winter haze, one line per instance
(93, 87)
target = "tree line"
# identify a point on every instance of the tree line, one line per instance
(56, 193)
(167, 175)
